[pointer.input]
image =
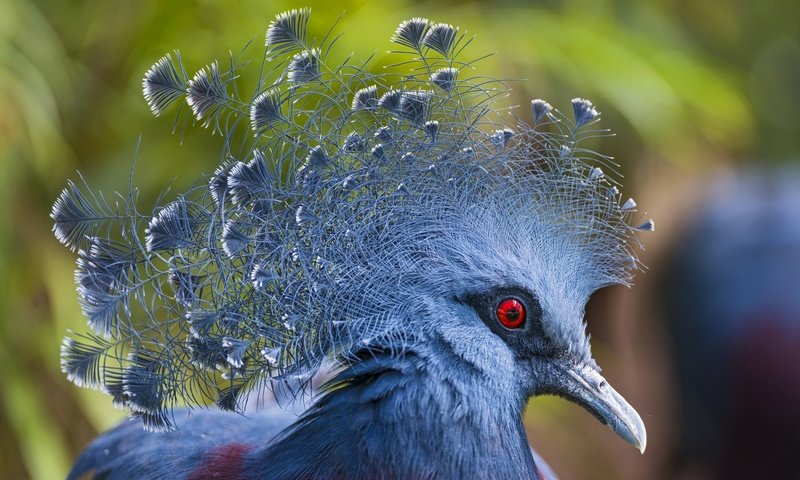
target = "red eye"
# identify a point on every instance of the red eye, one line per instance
(511, 313)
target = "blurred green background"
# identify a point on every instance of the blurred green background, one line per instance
(690, 87)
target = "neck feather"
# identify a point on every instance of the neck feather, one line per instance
(390, 416)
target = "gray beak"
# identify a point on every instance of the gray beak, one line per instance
(586, 387)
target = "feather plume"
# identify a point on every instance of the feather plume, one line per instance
(355, 195)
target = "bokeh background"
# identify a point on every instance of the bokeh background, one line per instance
(698, 93)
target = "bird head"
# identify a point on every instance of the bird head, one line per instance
(361, 210)
(497, 263)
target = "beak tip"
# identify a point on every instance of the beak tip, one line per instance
(630, 427)
(636, 433)
(642, 435)
(639, 435)
(636, 436)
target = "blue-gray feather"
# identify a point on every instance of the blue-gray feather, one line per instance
(331, 240)
(351, 210)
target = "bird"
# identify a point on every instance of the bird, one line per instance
(391, 226)
(732, 313)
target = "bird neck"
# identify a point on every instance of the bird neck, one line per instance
(390, 416)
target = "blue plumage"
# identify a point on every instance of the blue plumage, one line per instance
(376, 221)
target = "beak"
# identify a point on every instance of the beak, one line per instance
(586, 387)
